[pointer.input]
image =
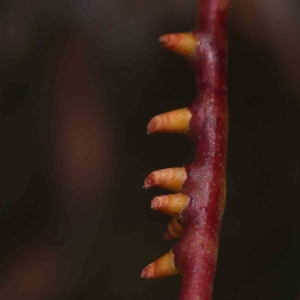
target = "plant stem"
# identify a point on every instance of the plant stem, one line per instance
(199, 208)
(196, 252)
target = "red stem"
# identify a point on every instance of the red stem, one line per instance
(198, 208)
(196, 252)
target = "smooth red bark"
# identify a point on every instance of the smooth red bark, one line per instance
(196, 252)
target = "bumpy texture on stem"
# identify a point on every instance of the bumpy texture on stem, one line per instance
(198, 218)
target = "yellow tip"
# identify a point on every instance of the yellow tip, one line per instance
(176, 121)
(170, 179)
(184, 44)
(174, 230)
(172, 205)
(162, 267)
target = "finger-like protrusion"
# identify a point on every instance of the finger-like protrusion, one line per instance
(176, 121)
(182, 43)
(174, 230)
(171, 205)
(170, 179)
(162, 267)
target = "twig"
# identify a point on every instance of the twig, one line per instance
(197, 209)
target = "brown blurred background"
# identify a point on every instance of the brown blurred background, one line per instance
(79, 81)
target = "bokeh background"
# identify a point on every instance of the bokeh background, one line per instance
(79, 80)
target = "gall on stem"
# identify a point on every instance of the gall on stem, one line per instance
(198, 206)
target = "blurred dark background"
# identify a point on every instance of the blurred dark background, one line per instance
(79, 81)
